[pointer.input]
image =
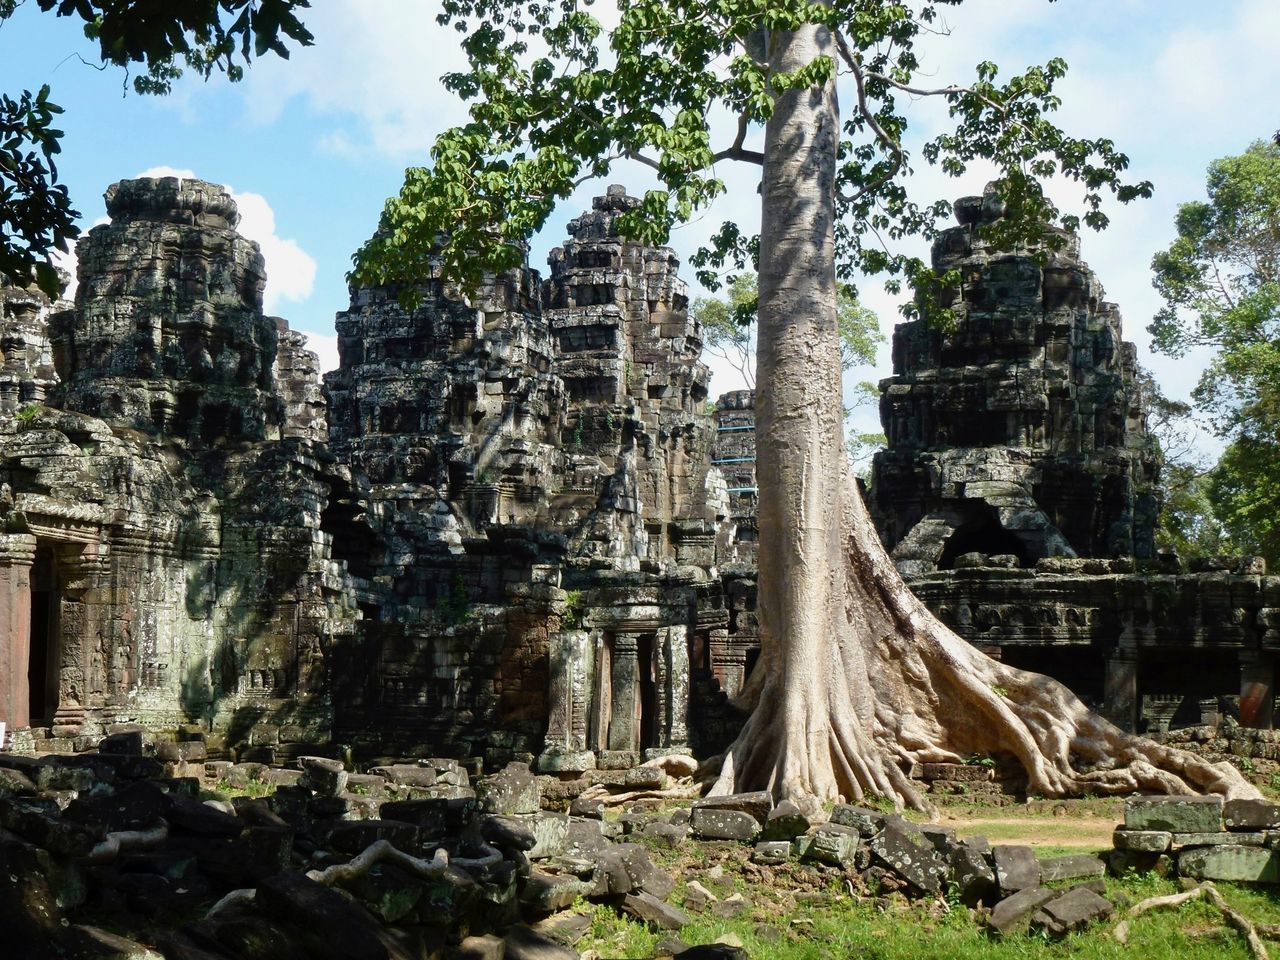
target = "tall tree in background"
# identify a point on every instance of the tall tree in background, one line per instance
(1220, 280)
(855, 676)
(162, 37)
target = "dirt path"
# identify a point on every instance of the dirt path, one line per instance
(1086, 833)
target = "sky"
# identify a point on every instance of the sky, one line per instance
(313, 146)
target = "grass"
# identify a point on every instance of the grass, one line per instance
(797, 912)
(780, 928)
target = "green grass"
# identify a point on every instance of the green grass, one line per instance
(778, 926)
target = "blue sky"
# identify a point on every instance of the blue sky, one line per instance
(315, 145)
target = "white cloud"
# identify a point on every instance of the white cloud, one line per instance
(291, 271)
(373, 73)
(325, 346)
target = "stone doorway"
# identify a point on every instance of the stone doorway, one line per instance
(44, 657)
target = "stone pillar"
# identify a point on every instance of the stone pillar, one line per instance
(17, 554)
(572, 669)
(674, 691)
(1257, 690)
(623, 734)
(1120, 690)
(82, 616)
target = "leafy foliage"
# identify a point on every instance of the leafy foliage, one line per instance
(160, 36)
(36, 216)
(1220, 281)
(556, 99)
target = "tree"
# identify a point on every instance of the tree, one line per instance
(161, 36)
(1220, 281)
(855, 675)
(1188, 523)
(728, 327)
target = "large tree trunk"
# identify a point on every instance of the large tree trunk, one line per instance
(856, 677)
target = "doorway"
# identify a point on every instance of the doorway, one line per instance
(43, 662)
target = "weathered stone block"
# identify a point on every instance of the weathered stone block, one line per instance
(1238, 864)
(835, 845)
(1072, 911)
(868, 823)
(1014, 912)
(513, 791)
(1250, 815)
(649, 909)
(772, 852)
(1075, 867)
(911, 856)
(785, 822)
(711, 823)
(1016, 867)
(1182, 840)
(1174, 814)
(756, 805)
(1142, 841)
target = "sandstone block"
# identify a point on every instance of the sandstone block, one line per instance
(1174, 814)
(1016, 867)
(711, 823)
(1142, 841)
(1239, 864)
(1250, 815)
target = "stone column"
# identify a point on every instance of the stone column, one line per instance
(1120, 690)
(623, 734)
(1257, 689)
(675, 655)
(17, 554)
(572, 666)
(83, 612)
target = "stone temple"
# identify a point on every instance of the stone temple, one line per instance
(513, 525)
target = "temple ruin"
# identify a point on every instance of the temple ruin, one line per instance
(513, 525)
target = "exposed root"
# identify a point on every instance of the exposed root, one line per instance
(230, 900)
(892, 685)
(684, 789)
(1208, 891)
(128, 841)
(382, 851)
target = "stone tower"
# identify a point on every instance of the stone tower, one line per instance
(1021, 430)
(168, 334)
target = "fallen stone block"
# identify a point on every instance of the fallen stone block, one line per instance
(429, 815)
(565, 928)
(1014, 912)
(544, 893)
(1239, 864)
(868, 823)
(668, 834)
(1075, 867)
(1250, 815)
(772, 852)
(908, 854)
(512, 791)
(1142, 841)
(335, 926)
(757, 805)
(1072, 911)
(1240, 837)
(1016, 867)
(407, 775)
(785, 822)
(714, 823)
(972, 873)
(834, 844)
(649, 909)
(1174, 814)
(524, 943)
(1124, 862)
(192, 816)
(323, 775)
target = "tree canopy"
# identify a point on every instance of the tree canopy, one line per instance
(556, 98)
(1220, 282)
(161, 38)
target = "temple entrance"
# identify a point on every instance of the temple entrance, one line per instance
(982, 532)
(648, 699)
(43, 662)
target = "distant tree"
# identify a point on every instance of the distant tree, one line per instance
(729, 327)
(162, 37)
(1220, 280)
(1188, 524)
